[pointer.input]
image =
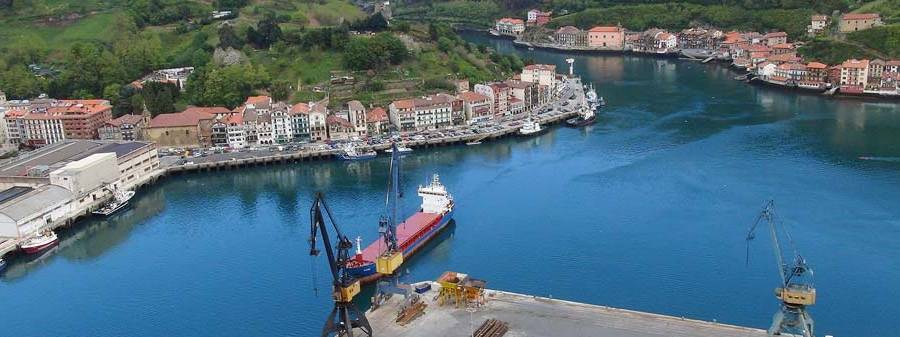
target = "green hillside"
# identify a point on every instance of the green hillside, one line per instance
(288, 48)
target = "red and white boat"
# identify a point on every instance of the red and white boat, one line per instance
(40, 242)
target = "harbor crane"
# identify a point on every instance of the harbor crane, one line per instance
(390, 260)
(796, 291)
(345, 316)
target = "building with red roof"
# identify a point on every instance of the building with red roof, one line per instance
(126, 127)
(537, 17)
(510, 26)
(852, 22)
(606, 37)
(45, 121)
(191, 127)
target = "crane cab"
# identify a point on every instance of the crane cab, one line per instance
(797, 295)
(346, 294)
(388, 262)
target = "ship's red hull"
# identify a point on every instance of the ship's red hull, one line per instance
(40, 248)
(412, 235)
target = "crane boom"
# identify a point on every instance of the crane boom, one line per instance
(392, 257)
(794, 292)
(345, 316)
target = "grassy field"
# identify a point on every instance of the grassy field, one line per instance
(60, 38)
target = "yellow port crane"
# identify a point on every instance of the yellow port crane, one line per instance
(390, 260)
(345, 316)
(796, 292)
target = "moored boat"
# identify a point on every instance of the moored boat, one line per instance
(531, 127)
(434, 214)
(474, 142)
(119, 201)
(354, 152)
(40, 242)
(585, 117)
(2, 265)
(400, 149)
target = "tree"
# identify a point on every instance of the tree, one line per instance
(280, 90)
(159, 97)
(20, 83)
(364, 53)
(88, 69)
(267, 33)
(228, 86)
(228, 38)
(141, 52)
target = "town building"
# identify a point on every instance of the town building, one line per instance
(282, 124)
(854, 75)
(318, 111)
(46, 121)
(499, 95)
(525, 92)
(510, 26)
(606, 37)
(339, 128)
(537, 17)
(699, 38)
(60, 180)
(403, 114)
(300, 121)
(461, 85)
(235, 136)
(476, 106)
(758, 52)
(570, 36)
(428, 112)
(176, 76)
(666, 42)
(816, 76)
(775, 38)
(817, 24)
(790, 73)
(125, 127)
(377, 122)
(852, 22)
(191, 127)
(356, 113)
(542, 74)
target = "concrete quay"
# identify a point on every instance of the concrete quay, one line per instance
(537, 316)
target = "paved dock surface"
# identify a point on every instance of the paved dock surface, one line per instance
(534, 316)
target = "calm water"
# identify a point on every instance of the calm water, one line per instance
(646, 210)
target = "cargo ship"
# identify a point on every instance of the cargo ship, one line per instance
(433, 216)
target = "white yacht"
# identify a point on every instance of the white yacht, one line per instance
(531, 127)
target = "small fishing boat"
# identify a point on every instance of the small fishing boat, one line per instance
(354, 152)
(40, 242)
(2, 265)
(474, 142)
(400, 149)
(531, 127)
(119, 201)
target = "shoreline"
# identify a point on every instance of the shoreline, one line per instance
(682, 57)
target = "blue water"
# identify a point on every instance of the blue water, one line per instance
(646, 210)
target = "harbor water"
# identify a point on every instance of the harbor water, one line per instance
(645, 210)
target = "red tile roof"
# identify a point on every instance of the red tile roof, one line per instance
(854, 63)
(376, 115)
(860, 16)
(776, 34)
(819, 17)
(471, 96)
(404, 104)
(126, 119)
(568, 30)
(179, 119)
(605, 29)
(816, 65)
(512, 21)
(258, 100)
(214, 110)
(543, 67)
(300, 108)
(335, 120)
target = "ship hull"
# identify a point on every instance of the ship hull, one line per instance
(365, 272)
(579, 122)
(34, 249)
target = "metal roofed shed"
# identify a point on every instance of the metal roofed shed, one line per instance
(88, 174)
(29, 212)
(58, 155)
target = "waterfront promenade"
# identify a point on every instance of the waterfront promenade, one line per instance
(553, 112)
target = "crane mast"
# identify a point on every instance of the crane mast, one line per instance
(345, 316)
(390, 260)
(796, 291)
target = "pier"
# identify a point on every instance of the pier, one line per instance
(526, 315)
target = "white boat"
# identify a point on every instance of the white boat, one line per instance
(119, 201)
(591, 94)
(530, 127)
(474, 142)
(401, 149)
(40, 242)
(355, 152)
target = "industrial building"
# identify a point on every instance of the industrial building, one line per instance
(54, 185)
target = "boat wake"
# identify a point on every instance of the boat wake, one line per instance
(887, 159)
